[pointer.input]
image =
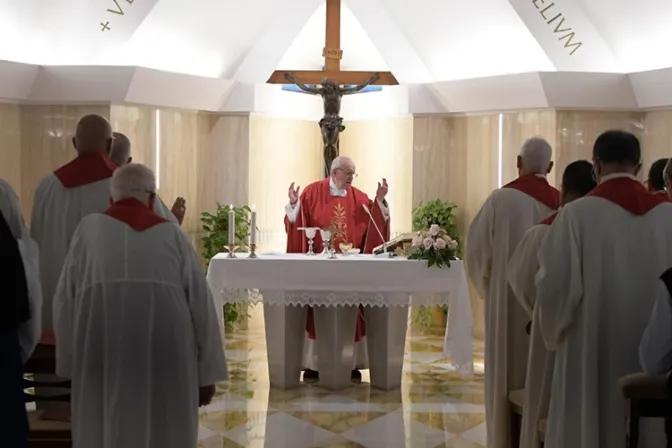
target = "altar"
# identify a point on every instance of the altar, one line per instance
(287, 283)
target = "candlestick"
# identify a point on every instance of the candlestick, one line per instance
(253, 227)
(253, 248)
(232, 226)
(232, 251)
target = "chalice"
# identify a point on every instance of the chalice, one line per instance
(326, 241)
(310, 234)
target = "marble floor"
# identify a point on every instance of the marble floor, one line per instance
(434, 408)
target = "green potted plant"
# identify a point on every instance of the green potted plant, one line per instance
(216, 227)
(441, 213)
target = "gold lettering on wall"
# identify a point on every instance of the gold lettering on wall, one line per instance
(117, 11)
(548, 12)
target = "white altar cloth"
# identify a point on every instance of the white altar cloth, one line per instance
(297, 279)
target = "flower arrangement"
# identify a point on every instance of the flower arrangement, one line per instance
(434, 245)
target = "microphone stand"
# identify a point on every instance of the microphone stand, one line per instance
(373, 221)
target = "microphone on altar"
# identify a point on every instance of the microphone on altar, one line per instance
(368, 212)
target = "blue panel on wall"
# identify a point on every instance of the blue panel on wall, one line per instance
(295, 88)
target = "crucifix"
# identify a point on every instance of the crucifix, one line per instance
(331, 83)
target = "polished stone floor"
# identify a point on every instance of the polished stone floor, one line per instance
(434, 408)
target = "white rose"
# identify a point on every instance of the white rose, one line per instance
(428, 242)
(417, 242)
(434, 229)
(439, 244)
(452, 245)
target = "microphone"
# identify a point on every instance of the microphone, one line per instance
(368, 212)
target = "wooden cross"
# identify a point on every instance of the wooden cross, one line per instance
(332, 59)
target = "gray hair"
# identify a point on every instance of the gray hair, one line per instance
(668, 167)
(134, 181)
(339, 162)
(536, 154)
(121, 150)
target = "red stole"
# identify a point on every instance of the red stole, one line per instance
(135, 214)
(548, 221)
(537, 188)
(85, 169)
(629, 194)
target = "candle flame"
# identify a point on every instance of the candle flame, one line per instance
(253, 207)
(231, 207)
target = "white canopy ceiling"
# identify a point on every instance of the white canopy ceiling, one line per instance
(418, 40)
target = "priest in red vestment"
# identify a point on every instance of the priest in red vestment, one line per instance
(598, 280)
(334, 203)
(496, 231)
(67, 195)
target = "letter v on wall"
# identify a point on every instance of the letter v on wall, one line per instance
(568, 38)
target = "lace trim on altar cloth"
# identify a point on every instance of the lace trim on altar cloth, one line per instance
(318, 298)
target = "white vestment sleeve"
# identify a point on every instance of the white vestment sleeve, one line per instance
(10, 208)
(161, 209)
(655, 350)
(30, 332)
(64, 298)
(478, 250)
(522, 269)
(559, 281)
(385, 209)
(36, 218)
(292, 212)
(211, 359)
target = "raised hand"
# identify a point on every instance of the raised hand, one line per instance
(179, 209)
(381, 192)
(293, 194)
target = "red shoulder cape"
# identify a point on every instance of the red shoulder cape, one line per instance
(135, 214)
(537, 188)
(548, 221)
(86, 169)
(629, 194)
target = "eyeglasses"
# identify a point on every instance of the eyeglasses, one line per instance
(348, 173)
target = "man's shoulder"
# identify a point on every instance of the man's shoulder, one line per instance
(314, 186)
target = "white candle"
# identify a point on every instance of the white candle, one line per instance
(232, 226)
(253, 226)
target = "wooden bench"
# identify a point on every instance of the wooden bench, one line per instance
(516, 400)
(646, 395)
(46, 433)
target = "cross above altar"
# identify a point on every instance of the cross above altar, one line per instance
(332, 59)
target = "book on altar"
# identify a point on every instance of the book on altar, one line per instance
(401, 245)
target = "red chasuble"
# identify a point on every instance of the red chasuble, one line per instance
(629, 194)
(351, 223)
(537, 188)
(85, 169)
(135, 214)
(548, 221)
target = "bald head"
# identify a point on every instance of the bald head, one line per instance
(535, 157)
(94, 134)
(121, 150)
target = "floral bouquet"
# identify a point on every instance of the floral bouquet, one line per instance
(435, 246)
